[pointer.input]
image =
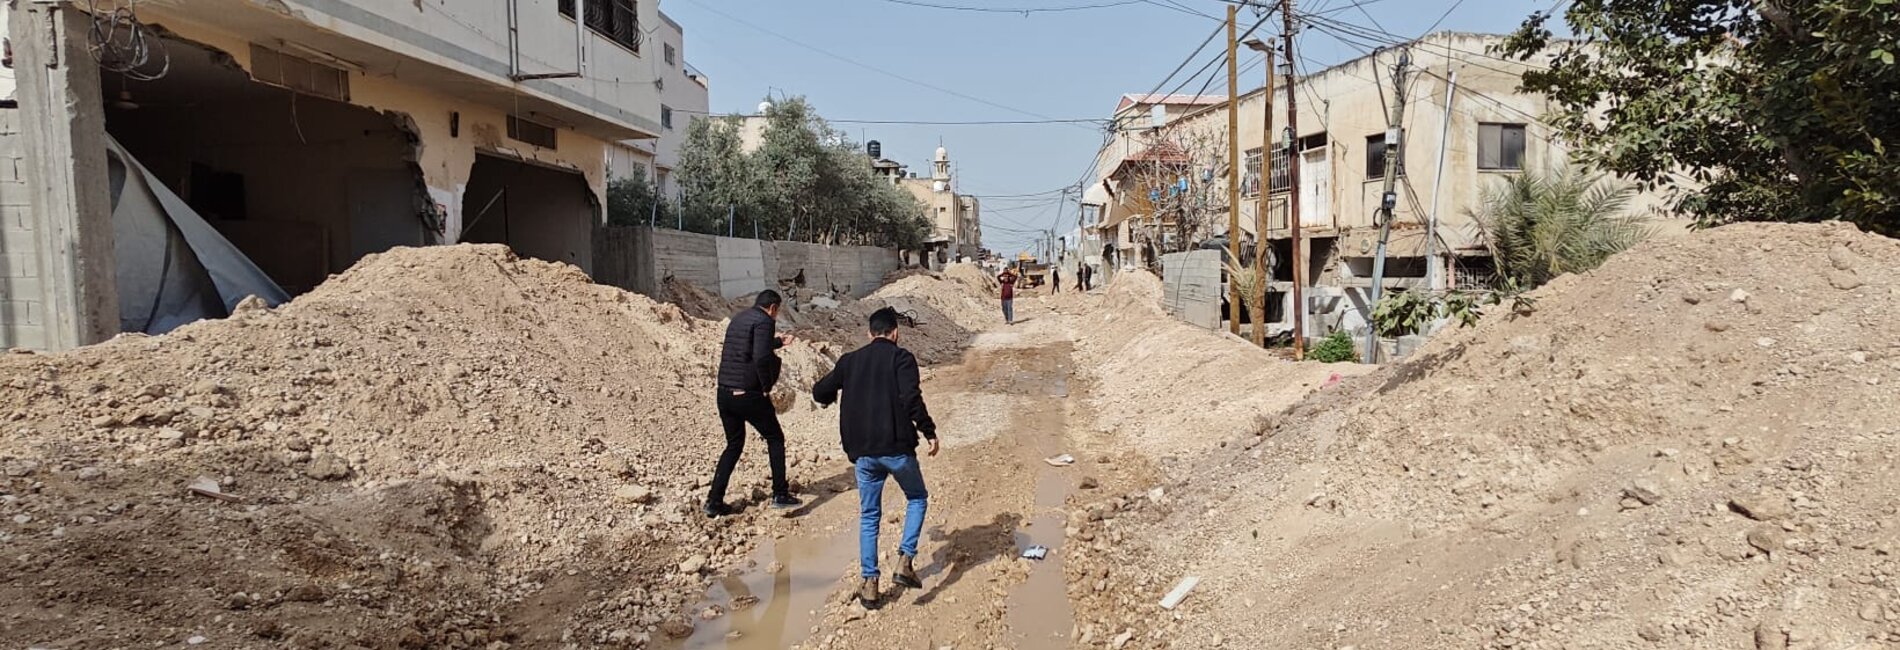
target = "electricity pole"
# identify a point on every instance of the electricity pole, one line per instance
(1233, 174)
(1293, 187)
(1388, 200)
(1263, 275)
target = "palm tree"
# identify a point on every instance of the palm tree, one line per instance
(1540, 226)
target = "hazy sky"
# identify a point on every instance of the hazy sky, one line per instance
(1007, 66)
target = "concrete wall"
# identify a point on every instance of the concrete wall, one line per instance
(638, 259)
(1191, 286)
(20, 301)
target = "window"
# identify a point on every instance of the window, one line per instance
(617, 20)
(532, 133)
(671, 54)
(1375, 157)
(308, 77)
(1500, 146)
(1282, 174)
(666, 116)
(1250, 174)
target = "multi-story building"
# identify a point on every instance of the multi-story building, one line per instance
(311, 133)
(1490, 133)
(684, 97)
(956, 219)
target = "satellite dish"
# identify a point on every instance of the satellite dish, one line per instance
(764, 106)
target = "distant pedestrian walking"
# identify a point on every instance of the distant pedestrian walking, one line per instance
(748, 369)
(1055, 279)
(1008, 281)
(882, 416)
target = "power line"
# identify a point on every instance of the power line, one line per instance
(866, 66)
(1012, 10)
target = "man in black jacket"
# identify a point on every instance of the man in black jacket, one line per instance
(882, 416)
(748, 369)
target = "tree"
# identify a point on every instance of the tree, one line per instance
(1749, 110)
(1540, 226)
(1178, 179)
(806, 181)
(632, 201)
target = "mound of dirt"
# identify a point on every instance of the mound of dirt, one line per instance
(1691, 446)
(695, 301)
(975, 277)
(441, 447)
(955, 301)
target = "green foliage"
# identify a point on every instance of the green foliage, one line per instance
(805, 182)
(632, 201)
(1750, 110)
(1335, 348)
(1541, 226)
(1403, 312)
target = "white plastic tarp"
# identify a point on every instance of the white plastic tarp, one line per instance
(173, 267)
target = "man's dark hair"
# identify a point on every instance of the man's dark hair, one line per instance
(883, 322)
(767, 298)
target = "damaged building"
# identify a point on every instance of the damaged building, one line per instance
(300, 135)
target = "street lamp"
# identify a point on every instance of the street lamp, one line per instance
(1261, 242)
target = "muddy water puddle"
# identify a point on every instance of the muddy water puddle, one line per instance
(1039, 613)
(770, 610)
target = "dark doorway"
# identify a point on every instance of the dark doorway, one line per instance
(538, 211)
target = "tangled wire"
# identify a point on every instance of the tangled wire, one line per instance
(122, 44)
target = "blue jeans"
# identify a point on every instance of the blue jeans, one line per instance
(872, 471)
(1009, 310)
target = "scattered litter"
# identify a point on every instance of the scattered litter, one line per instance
(1331, 381)
(824, 302)
(1180, 592)
(206, 486)
(1036, 552)
(1063, 460)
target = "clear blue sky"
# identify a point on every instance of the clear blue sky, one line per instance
(1068, 64)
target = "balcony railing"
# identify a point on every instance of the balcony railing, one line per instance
(617, 20)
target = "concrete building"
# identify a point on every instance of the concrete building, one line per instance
(684, 97)
(956, 219)
(1491, 133)
(313, 132)
(1119, 229)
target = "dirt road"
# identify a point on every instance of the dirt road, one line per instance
(1009, 405)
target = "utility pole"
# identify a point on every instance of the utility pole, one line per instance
(1293, 187)
(1233, 172)
(1263, 275)
(1388, 200)
(1434, 267)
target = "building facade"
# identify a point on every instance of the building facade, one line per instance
(310, 133)
(1483, 129)
(955, 219)
(684, 96)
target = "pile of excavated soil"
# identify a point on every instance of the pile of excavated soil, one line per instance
(975, 277)
(1690, 447)
(442, 447)
(696, 301)
(1156, 378)
(953, 300)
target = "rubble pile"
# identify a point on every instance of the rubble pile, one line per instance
(442, 447)
(955, 300)
(1689, 447)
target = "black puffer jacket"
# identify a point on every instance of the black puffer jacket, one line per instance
(750, 361)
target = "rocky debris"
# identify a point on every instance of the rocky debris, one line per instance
(693, 565)
(1492, 454)
(327, 467)
(1765, 506)
(443, 432)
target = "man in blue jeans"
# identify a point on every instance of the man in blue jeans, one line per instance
(882, 416)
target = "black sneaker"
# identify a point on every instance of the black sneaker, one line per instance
(717, 510)
(784, 501)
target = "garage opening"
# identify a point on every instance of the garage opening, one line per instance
(300, 181)
(539, 211)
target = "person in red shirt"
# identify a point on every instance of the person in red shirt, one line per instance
(1008, 280)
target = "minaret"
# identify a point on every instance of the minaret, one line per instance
(940, 170)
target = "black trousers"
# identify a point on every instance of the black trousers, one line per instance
(736, 411)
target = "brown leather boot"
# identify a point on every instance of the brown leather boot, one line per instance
(906, 574)
(867, 592)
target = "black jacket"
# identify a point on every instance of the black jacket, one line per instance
(750, 361)
(883, 402)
